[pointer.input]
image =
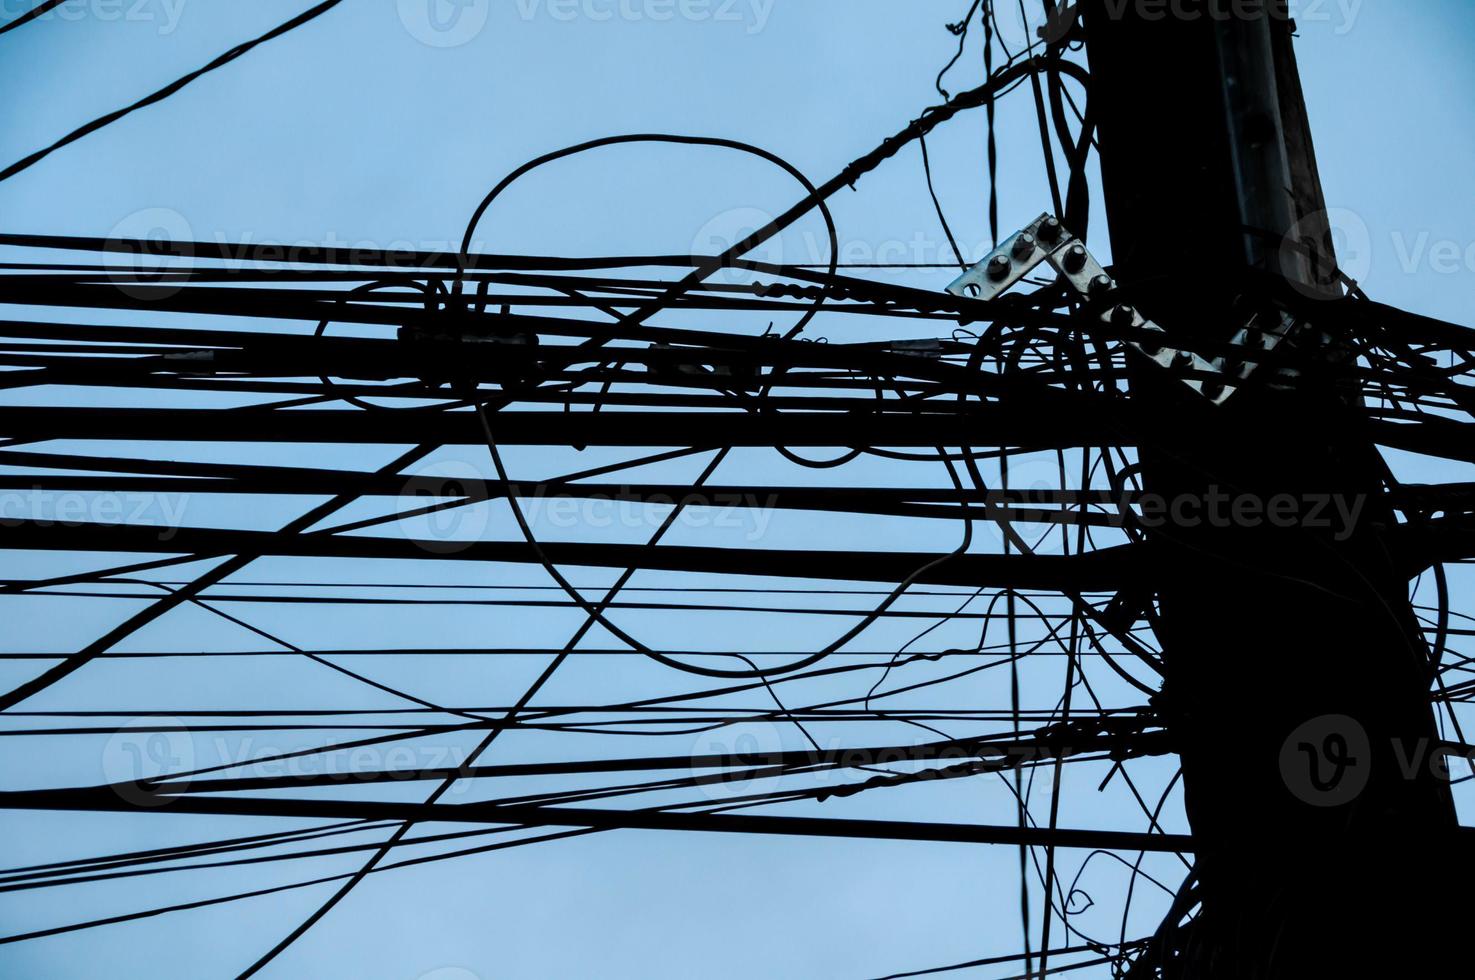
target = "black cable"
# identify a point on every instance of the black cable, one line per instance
(168, 90)
(464, 257)
(42, 8)
(937, 205)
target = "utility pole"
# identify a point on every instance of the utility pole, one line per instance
(1297, 679)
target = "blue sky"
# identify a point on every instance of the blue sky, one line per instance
(375, 125)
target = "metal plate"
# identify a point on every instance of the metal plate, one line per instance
(1081, 279)
(977, 283)
(1260, 339)
(1017, 255)
(1177, 361)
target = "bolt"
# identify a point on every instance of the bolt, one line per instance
(1123, 316)
(1213, 389)
(1183, 359)
(1099, 285)
(1075, 258)
(1050, 229)
(998, 267)
(1024, 246)
(1254, 339)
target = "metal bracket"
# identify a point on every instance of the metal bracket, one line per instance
(1046, 240)
(1015, 257)
(1261, 338)
(1079, 268)
(1169, 358)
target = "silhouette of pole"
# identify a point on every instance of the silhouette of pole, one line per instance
(1296, 676)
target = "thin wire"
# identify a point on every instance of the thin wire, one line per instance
(27, 162)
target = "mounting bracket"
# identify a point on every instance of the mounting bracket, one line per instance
(1046, 240)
